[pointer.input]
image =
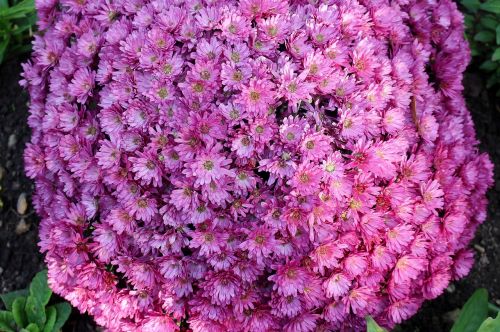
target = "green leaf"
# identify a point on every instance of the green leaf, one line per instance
(491, 81)
(35, 311)
(490, 325)
(4, 3)
(498, 34)
(488, 65)
(472, 5)
(489, 22)
(484, 36)
(492, 6)
(469, 21)
(20, 10)
(496, 55)
(372, 326)
(63, 312)
(7, 322)
(51, 314)
(32, 328)
(18, 311)
(40, 289)
(473, 313)
(3, 47)
(9, 298)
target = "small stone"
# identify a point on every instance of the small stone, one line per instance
(22, 204)
(484, 260)
(452, 316)
(497, 302)
(479, 248)
(22, 227)
(450, 288)
(12, 141)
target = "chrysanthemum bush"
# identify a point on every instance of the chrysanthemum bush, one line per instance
(253, 165)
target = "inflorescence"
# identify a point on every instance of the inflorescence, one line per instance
(252, 165)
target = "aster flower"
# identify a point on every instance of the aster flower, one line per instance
(82, 84)
(257, 96)
(143, 207)
(209, 166)
(408, 267)
(337, 285)
(293, 87)
(147, 169)
(289, 279)
(260, 243)
(306, 179)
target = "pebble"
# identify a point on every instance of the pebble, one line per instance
(16, 185)
(452, 316)
(484, 260)
(12, 141)
(450, 288)
(22, 204)
(22, 227)
(479, 248)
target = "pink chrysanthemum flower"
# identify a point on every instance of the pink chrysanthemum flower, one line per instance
(252, 165)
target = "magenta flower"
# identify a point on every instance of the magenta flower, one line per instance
(252, 165)
(209, 166)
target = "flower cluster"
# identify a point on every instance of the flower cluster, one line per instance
(252, 165)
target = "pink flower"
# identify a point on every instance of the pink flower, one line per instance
(293, 86)
(432, 195)
(82, 84)
(252, 165)
(306, 179)
(302, 323)
(257, 96)
(260, 243)
(209, 166)
(143, 208)
(290, 279)
(399, 237)
(147, 169)
(401, 310)
(408, 267)
(337, 285)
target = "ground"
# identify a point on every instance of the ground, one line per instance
(20, 260)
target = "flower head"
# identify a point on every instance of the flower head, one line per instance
(252, 165)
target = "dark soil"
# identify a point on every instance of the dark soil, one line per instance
(20, 260)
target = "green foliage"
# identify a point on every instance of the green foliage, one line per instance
(473, 313)
(27, 310)
(17, 19)
(490, 324)
(473, 316)
(482, 21)
(372, 326)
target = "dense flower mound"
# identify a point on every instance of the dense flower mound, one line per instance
(252, 165)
